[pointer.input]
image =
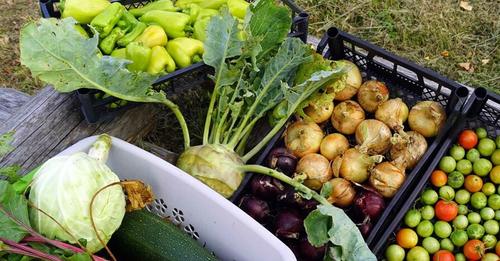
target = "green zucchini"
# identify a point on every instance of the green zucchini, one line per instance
(145, 236)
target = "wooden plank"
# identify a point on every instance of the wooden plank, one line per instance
(51, 121)
(10, 101)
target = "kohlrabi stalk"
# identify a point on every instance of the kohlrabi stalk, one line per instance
(100, 148)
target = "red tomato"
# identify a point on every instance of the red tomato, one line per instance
(497, 248)
(443, 255)
(446, 210)
(474, 249)
(467, 139)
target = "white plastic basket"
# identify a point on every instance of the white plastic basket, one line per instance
(208, 217)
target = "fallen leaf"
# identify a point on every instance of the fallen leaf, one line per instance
(427, 58)
(485, 61)
(465, 5)
(445, 53)
(467, 66)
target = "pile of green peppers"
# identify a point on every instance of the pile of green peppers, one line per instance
(157, 38)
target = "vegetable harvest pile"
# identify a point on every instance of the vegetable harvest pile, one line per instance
(458, 216)
(259, 74)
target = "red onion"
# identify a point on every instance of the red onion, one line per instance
(288, 224)
(266, 187)
(281, 159)
(369, 204)
(309, 252)
(254, 207)
(371, 94)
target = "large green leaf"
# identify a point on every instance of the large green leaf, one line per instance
(16, 205)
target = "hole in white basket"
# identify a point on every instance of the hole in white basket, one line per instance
(191, 231)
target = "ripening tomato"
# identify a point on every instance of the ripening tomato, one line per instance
(406, 238)
(467, 139)
(497, 248)
(446, 210)
(474, 249)
(443, 255)
(439, 178)
(473, 183)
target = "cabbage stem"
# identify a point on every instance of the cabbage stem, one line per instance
(278, 175)
(100, 148)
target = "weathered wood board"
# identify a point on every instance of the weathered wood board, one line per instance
(10, 101)
(51, 121)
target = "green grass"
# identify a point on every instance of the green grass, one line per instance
(419, 30)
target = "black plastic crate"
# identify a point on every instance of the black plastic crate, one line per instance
(481, 110)
(95, 109)
(406, 80)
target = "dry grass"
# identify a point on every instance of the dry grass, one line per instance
(419, 30)
(13, 14)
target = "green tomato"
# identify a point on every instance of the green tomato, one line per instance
(490, 257)
(473, 155)
(459, 238)
(462, 196)
(497, 214)
(456, 179)
(487, 213)
(464, 166)
(446, 192)
(460, 222)
(494, 201)
(475, 231)
(427, 212)
(429, 197)
(431, 244)
(489, 242)
(474, 218)
(478, 200)
(488, 188)
(395, 253)
(442, 229)
(481, 133)
(486, 147)
(457, 152)
(446, 244)
(463, 209)
(447, 164)
(491, 227)
(460, 257)
(425, 228)
(495, 157)
(497, 141)
(412, 218)
(418, 253)
(482, 167)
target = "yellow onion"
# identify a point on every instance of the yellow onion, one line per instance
(351, 83)
(342, 194)
(373, 136)
(316, 168)
(355, 165)
(346, 116)
(333, 145)
(394, 113)
(386, 178)
(427, 118)
(302, 138)
(336, 164)
(371, 94)
(407, 150)
(319, 107)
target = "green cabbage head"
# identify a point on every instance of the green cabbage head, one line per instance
(63, 188)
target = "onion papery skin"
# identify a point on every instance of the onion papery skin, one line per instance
(427, 118)
(343, 192)
(355, 165)
(353, 81)
(408, 150)
(393, 113)
(317, 169)
(346, 117)
(371, 94)
(373, 136)
(333, 145)
(386, 178)
(302, 138)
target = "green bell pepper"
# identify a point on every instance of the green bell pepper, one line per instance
(127, 21)
(108, 44)
(162, 5)
(185, 51)
(152, 36)
(82, 31)
(238, 8)
(83, 10)
(200, 28)
(207, 13)
(119, 53)
(160, 61)
(139, 55)
(107, 19)
(212, 4)
(132, 35)
(174, 24)
(192, 10)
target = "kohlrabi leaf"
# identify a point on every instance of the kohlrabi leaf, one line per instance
(5, 140)
(270, 23)
(16, 206)
(341, 232)
(11, 173)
